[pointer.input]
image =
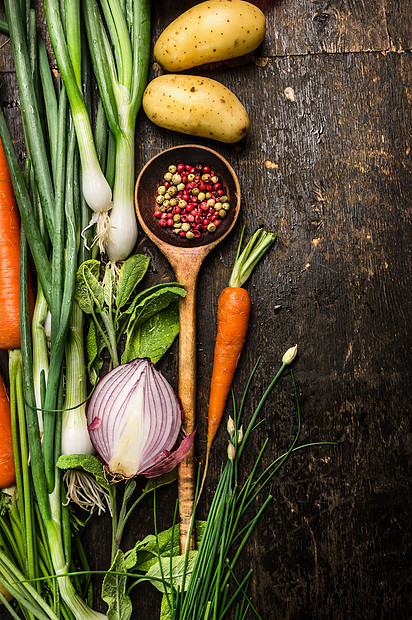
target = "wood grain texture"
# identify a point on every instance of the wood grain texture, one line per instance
(327, 165)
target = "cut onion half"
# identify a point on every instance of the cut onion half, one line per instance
(134, 421)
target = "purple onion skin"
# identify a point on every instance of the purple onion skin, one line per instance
(134, 420)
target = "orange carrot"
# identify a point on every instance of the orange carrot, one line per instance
(9, 259)
(7, 473)
(232, 325)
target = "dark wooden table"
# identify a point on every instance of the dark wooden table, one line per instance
(326, 165)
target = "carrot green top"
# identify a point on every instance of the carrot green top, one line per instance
(245, 262)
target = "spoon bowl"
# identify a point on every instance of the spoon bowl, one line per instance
(186, 257)
(151, 176)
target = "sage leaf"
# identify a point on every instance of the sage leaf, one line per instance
(165, 612)
(114, 591)
(108, 288)
(146, 552)
(159, 574)
(95, 289)
(82, 293)
(160, 481)
(132, 271)
(154, 337)
(94, 346)
(125, 319)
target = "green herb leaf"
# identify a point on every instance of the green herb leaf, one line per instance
(154, 337)
(94, 287)
(159, 574)
(132, 271)
(108, 288)
(82, 293)
(146, 552)
(160, 481)
(89, 463)
(95, 345)
(165, 613)
(151, 305)
(148, 296)
(114, 591)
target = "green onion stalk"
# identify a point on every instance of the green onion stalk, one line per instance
(208, 587)
(120, 61)
(51, 214)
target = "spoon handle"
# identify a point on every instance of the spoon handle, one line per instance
(187, 394)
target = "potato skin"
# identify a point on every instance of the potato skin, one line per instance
(197, 106)
(209, 32)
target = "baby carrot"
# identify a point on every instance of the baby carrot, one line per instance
(7, 473)
(232, 325)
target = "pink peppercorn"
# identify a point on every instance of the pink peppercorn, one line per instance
(158, 214)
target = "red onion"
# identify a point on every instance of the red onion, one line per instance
(134, 421)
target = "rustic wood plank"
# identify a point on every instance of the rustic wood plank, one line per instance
(309, 26)
(323, 26)
(398, 17)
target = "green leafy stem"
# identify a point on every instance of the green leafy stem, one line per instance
(149, 320)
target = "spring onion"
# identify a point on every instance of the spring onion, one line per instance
(120, 62)
(135, 419)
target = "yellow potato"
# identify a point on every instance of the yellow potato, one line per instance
(197, 106)
(209, 32)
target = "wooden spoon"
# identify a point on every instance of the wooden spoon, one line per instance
(186, 258)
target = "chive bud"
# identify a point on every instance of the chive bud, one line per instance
(230, 427)
(290, 355)
(240, 435)
(231, 451)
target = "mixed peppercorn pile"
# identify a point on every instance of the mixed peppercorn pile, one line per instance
(191, 201)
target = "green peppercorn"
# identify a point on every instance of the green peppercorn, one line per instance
(211, 227)
(182, 204)
(217, 206)
(186, 226)
(168, 177)
(172, 169)
(222, 214)
(205, 177)
(173, 202)
(162, 209)
(176, 217)
(201, 196)
(211, 202)
(177, 225)
(195, 191)
(226, 206)
(160, 200)
(208, 195)
(166, 203)
(161, 190)
(191, 177)
(189, 235)
(172, 190)
(223, 199)
(215, 180)
(167, 196)
(176, 179)
(181, 187)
